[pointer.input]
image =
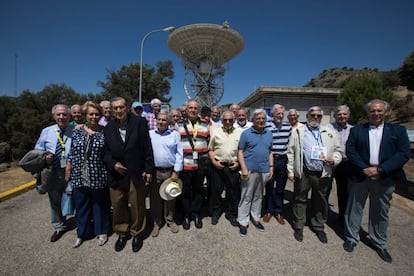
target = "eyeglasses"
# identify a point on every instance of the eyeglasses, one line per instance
(228, 120)
(315, 115)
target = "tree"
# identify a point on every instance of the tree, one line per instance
(125, 82)
(358, 91)
(406, 72)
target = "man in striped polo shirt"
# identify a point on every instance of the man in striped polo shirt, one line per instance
(275, 188)
(194, 140)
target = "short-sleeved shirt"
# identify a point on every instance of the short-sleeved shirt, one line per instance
(256, 148)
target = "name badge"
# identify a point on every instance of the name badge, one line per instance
(195, 155)
(63, 163)
(318, 153)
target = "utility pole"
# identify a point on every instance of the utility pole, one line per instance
(15, 75)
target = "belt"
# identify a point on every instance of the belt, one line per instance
(164, 169)
(317, 173)
(279, 156)
(227, 164)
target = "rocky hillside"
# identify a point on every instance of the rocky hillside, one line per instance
(337, 77)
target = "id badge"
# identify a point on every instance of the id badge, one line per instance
(195, 155)
(63, 163)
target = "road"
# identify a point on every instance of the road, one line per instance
(214, 250)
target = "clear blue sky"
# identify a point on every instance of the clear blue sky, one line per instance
(287, 43)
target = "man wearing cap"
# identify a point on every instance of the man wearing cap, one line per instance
(137, 109)
(152, 116)
(168, 159)
(222, 150)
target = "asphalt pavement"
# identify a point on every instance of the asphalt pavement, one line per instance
(25, 231)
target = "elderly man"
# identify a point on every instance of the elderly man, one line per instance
(194, 140)
(56, 140)
(222, 150)
(137, 109)
(106, 107)
(168, 159)
(152, 116)
(241, 119)
(130, 163)
(378, 151)
(343, 170)
(215, 115)
(275, 188)
(256, 159)
(313, 151)
(293, 118)
(75, 113)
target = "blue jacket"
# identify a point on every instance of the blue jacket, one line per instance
(394, 152)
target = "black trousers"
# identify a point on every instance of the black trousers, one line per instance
(193, 193)
(341, 173)
(228, 180)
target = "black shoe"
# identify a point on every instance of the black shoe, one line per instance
(214, 220)
(383, 253)
(298, 235)
(120, 243)
(56, 235)
(349, 246)
(198, 222)
(137, 243)
(322, 236)
(234, 222)
(186, 223)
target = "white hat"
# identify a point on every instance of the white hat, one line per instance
(170, 189)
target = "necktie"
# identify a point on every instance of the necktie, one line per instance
(58, 151)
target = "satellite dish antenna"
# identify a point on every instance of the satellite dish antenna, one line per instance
(203, 49)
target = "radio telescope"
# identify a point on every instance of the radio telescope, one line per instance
(203, 49)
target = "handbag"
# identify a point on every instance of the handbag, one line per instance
(67, 203)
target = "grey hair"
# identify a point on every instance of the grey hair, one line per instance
(155, 101)
(227, 112)
(104, 103)
(258, 111)
(74, 106)
(314, 108)
(165, 112)
(371, 102)
(293, 110)
(342, 107)
(277, 106)
(57, 105)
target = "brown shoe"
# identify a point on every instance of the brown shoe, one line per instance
(56, 235)
(280, 218)
(267, 217)
(173, 227)
(155, 231)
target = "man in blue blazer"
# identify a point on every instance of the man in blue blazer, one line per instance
(378, 152)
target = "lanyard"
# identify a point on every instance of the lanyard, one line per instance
(313, 134)
(61, 141)
(195, 131)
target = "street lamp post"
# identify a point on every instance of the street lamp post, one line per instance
(167, 29)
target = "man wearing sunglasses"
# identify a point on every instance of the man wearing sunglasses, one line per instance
(313, 151)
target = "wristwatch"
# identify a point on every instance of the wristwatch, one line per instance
(380, 170)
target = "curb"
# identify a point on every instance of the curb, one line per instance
(17, 191)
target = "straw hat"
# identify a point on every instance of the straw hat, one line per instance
(170, 190)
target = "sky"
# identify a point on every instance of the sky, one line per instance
(287, 43)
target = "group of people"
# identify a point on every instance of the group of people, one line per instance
(111, 156)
